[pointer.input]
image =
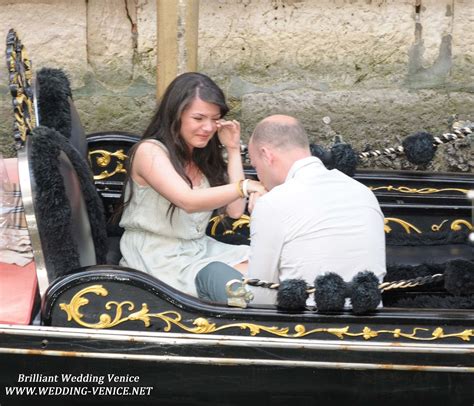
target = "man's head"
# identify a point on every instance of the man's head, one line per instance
(276, 144)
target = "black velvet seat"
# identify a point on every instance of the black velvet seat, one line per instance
(69, 212)
(57, 111)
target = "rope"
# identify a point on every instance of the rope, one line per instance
(401, 284)
(457, 134)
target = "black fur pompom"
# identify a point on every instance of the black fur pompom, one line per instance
(419, 148)
(344, 158)
(365, 294)
(54, 92)
(330, 294)
(292, 294)
(459, 277)
(323, 154)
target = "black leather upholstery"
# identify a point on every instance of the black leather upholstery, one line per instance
(80, 225)
(78, 137)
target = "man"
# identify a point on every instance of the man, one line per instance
(311, 221)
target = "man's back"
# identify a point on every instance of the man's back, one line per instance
(317, 221)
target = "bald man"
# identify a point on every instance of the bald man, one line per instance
(311, 221)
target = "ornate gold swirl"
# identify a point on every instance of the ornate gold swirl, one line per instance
(244, 220)
(73, 313)
(422, 191)
(104, 160)
(456, 225)
(437, 227)
(202, 325)
(406, 225)
(216, 220)
(20, 75)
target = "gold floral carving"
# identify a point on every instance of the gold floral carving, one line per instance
(104, 159)
(202, 325)
(422, 191)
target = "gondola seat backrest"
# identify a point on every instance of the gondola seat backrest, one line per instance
(68, 210)
(56, 108)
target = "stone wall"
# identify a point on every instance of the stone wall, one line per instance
(375, 70)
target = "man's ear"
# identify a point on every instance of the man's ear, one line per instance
(267, 155)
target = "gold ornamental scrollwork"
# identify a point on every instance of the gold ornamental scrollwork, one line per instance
(202, 325)
(456, 225)
(421, 191)
(405, 224)
(21, 89)
(243, 221)
(104, 159)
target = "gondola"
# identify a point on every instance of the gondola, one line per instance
(87, 331)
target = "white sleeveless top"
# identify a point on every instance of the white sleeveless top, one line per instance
(172, 252)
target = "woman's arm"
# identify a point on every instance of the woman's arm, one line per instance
(152, 166)
(229, 136)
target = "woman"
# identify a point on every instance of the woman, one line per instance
(177, 176)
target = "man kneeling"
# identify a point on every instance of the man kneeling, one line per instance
(311, 221)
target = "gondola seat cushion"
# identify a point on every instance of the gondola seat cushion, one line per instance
(18, 289)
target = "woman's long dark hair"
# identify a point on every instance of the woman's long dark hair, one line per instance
(165, 126)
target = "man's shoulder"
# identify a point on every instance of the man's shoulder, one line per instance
(279, 195)
(273, 201)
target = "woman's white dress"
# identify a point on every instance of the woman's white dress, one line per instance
(172, 252)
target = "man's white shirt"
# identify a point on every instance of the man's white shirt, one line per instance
(317, 221)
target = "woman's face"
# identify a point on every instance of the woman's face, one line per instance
(198, 123)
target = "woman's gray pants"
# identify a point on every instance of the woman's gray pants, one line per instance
(211, 280)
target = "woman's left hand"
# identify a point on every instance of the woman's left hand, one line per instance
(228, 132)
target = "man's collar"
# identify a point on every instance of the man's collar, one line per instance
(301, 163)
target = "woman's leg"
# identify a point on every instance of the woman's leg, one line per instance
(211, 281)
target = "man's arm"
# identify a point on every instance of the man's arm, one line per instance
(267, 240)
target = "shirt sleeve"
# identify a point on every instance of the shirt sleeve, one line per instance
(265, 248)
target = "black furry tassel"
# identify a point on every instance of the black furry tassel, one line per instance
(419, 148)
(330, 294)
(364, 293)
(341, 157)
(292, 294)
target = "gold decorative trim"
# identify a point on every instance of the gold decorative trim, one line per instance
(456, 225)
(20, 85)
(216, 220)
(244, 220)
(422, 191)
(204, 326)
(104, 160)
(405, 224)
(437, 227)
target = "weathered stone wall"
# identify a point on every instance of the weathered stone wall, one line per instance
(107, 48)
(378, 69)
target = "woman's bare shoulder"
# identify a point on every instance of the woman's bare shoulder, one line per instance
(151, 144)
